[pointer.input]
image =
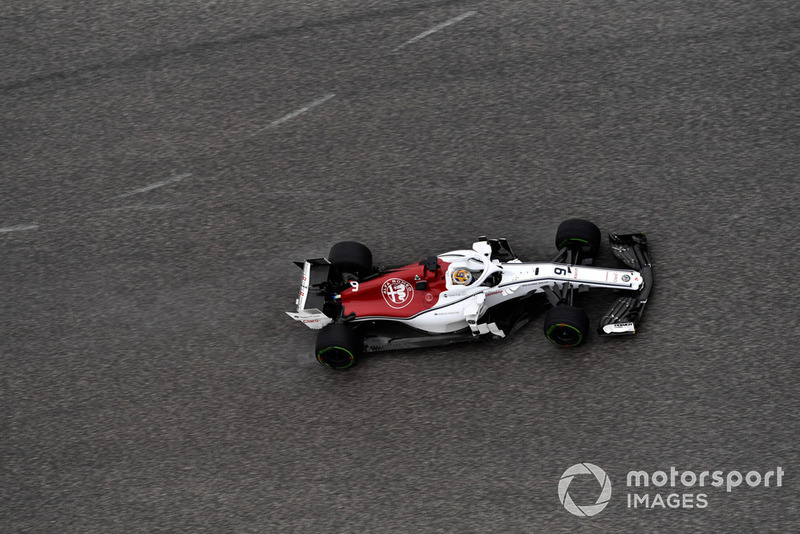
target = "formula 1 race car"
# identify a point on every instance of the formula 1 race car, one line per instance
(463, 295)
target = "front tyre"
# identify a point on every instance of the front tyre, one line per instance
(578, 234)
(566, 326)
(338, 346)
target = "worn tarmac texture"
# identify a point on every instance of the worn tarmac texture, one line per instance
(162, 163)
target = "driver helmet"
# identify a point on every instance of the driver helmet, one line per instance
(462, 277)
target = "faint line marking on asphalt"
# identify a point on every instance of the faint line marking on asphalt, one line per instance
(294, 114)
(149, 207)
(18, 228)
(436, 28)
(150, 187)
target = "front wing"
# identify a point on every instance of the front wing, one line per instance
(626, 312)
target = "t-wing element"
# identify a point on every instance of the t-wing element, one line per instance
(626, 312)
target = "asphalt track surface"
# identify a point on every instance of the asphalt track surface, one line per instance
(163, 163)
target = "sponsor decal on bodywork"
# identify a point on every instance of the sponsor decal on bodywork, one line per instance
(397, 293)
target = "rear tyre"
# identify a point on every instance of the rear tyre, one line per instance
(338, 346)
(566, 326)
(350, 257)
(579, 234)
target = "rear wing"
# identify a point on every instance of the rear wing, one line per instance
(626, 312)
(310, 301)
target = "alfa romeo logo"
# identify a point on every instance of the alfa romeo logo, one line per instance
(590, 509)
(397, 293)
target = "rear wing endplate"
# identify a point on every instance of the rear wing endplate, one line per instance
(310, 301)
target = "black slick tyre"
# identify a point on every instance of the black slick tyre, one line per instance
(351, 257)
(338, 346)
(579, 234)
(566, 326)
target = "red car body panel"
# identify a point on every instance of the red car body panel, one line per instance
(394, 294)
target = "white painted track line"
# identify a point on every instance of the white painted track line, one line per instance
(18, 228)
(273, 124)
(150, 207)
(294, 114)
(150, 187)
(436, 28)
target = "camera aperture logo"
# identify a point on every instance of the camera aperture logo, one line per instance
(685, 489)
(590, 509)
